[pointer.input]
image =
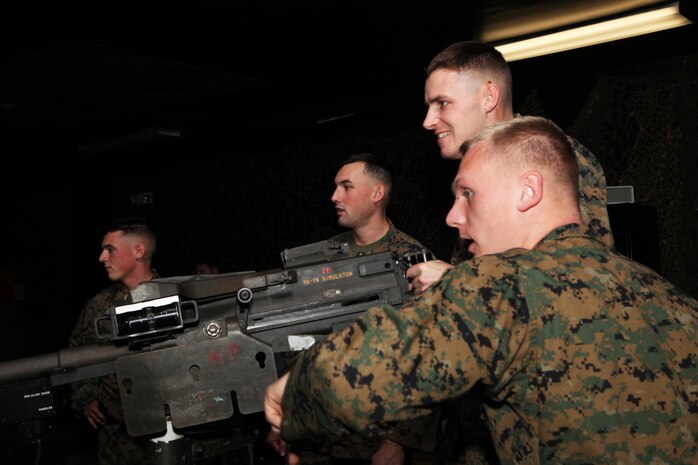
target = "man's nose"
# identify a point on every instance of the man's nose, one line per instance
(456, 215)
(429, 120)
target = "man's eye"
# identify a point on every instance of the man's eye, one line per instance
(442, 103)
(468, 194)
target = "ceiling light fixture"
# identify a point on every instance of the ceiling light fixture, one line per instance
(631, 25)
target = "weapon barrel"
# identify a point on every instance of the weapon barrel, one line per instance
(74, 357)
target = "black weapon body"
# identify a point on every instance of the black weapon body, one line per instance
(194, 350)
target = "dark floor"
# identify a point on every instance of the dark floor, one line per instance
(68, 440)
(60, 441)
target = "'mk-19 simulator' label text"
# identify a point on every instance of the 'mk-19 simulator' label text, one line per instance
(327, 275)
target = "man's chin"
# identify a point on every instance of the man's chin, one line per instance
(451, 156)
(448, 150)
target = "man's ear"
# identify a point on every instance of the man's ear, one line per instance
(531, 190)
(140, 250)
(492, 96)
(379, 193)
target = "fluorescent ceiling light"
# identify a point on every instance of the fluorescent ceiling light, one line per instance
(606, 31)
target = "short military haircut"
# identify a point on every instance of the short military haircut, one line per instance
(135, 226)
(531, 140)
(375, 167)
(474, 56)
(467, 55)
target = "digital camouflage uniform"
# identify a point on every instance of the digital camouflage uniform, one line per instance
(418, 434)
(115, 446)
(586, 357)
(593, 198)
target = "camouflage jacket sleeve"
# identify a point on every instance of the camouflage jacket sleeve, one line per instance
(397, 364)
(593, 199)
(417, 433)
(420, 433)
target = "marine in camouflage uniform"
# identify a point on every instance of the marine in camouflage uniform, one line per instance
(465, 433)
(128, 246)
(115, 446)
(583, 355)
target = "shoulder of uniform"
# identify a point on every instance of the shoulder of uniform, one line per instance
(496, 265)
(108, 292)
(404, 236)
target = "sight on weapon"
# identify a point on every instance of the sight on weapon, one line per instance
(410, 259)
(313, 253)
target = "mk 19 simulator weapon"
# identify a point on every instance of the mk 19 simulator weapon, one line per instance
(194, 350)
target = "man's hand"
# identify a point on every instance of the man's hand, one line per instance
(272, 402)
(423, 275)
(389, 453)
(274, 414)
(94, 416)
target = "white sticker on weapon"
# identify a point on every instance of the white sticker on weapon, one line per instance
(301, 342)
(161, 302)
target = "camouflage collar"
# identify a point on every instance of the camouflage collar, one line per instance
(563, 232)
(368, 248)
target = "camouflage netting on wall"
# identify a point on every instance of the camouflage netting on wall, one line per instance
(642, 128)
(643, 131)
